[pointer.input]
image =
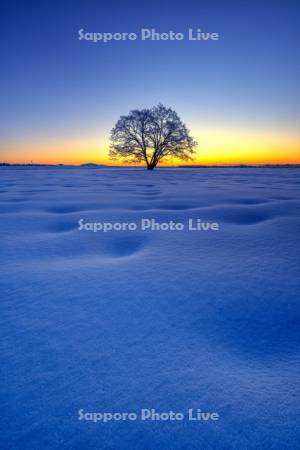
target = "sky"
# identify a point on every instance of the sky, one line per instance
(239, 96)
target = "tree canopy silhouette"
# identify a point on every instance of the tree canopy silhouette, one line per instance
(151, 135)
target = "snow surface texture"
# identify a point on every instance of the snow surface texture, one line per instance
(129, 320)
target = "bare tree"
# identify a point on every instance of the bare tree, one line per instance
(151, 135)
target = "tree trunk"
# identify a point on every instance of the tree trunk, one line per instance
(150, 166)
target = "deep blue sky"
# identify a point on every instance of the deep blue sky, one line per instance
(57, 90)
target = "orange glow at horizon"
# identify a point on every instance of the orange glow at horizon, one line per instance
(215, 147)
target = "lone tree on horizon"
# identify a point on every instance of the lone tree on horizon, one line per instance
(151, 135)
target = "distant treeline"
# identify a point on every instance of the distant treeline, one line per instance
(29, 164)
(187, 166)
(50, 165)
(195, 166)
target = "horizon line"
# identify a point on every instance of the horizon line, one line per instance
(284, 164)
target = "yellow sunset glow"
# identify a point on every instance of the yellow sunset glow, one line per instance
(215, 146)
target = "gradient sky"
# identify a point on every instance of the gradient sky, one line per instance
(239, 96)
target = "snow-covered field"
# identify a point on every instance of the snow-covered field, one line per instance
(170, 320)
